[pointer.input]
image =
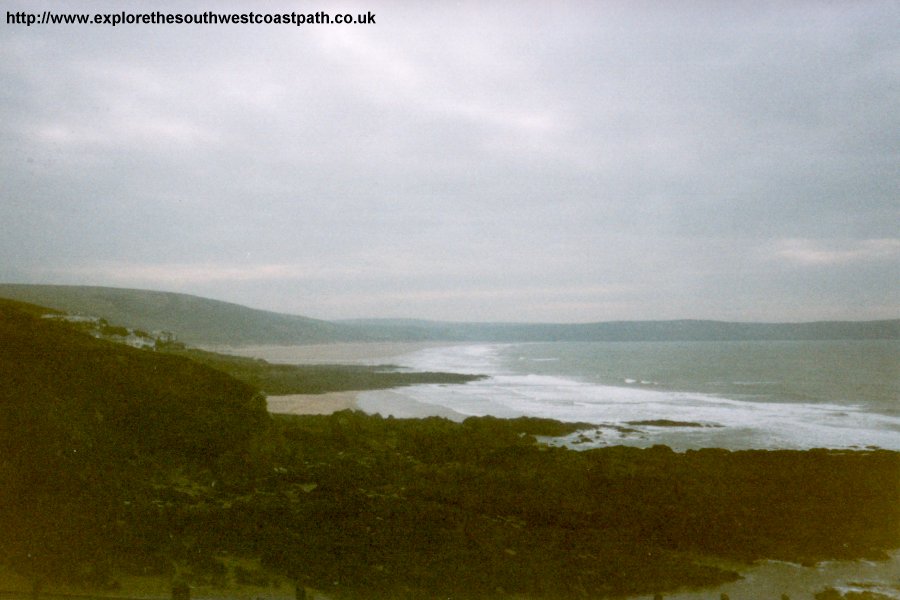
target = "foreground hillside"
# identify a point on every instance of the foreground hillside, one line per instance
(115, 460)
(88, 428)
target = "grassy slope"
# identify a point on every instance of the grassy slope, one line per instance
(194, 320)
(117, 390)
(87, 427)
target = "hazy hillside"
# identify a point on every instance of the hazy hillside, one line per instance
(619, 331)
(194, 320)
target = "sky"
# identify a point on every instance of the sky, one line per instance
(469, 161)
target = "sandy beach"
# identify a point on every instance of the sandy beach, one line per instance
(384, 402)
(387, 403)
(312, 404)
(398, 404)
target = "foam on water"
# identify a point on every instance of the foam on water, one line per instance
(637, 412)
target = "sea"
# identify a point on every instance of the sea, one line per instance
(686, 395)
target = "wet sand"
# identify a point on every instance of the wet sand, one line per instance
(396, 403)
(387, 403)
(312, 404)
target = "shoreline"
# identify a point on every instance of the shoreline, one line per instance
(365, 353)
(386, 402)
(312, 404)
(390, 402)
(770, 578)
(393, 402)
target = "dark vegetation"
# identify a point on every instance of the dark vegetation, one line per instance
(114, 459)
(89, 429)
(414, 501)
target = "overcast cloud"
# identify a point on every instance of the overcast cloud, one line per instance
(512, 161)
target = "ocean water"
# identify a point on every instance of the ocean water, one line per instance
(737, 395)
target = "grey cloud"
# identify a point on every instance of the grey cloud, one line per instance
(450, 159)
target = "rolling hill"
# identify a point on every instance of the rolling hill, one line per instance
(626, 331)
(202, 321)
(194, 320)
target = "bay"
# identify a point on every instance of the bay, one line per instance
(737, 395)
